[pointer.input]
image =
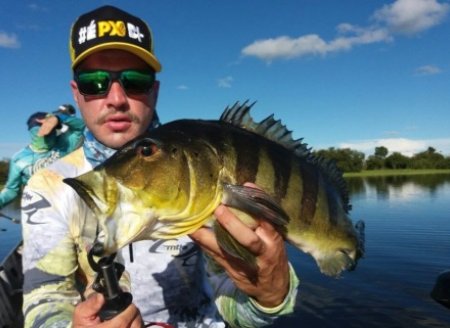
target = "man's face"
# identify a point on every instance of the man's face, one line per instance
(115, 118)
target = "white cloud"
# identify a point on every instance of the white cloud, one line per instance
(428, 70)
(407, 147)
(402, 16)
(312, 44)
(8, 40)
(411, 16)
(182, 87)
(225, 82)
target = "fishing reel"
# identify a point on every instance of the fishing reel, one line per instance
(107, 283)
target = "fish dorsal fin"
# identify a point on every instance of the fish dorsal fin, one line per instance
(239, 115)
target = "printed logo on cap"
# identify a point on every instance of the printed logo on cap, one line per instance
(109, 29)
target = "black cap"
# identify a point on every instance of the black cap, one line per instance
(109, 27)
(32, 120)
(67, 109)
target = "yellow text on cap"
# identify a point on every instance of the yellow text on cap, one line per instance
(112, 28)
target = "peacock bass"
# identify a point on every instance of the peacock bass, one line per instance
(168, 182)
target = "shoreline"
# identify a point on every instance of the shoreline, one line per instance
(392, 172)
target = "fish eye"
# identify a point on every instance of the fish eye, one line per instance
(146, 148)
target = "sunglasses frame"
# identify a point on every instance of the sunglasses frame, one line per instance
(114, 76)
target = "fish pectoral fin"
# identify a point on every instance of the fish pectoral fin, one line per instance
(333, 265)
(255, 202)
(231, 246)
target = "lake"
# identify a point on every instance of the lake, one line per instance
(407, 246)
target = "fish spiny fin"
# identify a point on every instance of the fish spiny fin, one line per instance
(239, 115)
(334, 176)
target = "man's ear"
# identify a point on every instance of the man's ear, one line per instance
(155, 92)
(75, 92)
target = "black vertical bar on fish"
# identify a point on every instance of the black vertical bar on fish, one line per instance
(333, 204)
(310, 179)
(247, 158)
(282, 167)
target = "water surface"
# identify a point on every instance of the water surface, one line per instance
(407, 246)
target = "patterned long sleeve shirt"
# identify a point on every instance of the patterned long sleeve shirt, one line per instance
(169, 279)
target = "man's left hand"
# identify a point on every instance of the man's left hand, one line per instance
(269, 283)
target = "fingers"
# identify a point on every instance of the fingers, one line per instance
(206, 239)
(130, 317)
(86, 313)
(48, 124)
(243, 234)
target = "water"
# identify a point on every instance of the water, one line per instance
(10, 233)
(407, 247)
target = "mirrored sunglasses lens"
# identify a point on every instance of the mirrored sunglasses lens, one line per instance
(93, 83)
(137, 82)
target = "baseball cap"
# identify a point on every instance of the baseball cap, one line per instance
(32, 120)
(108, 27)
(66, 109)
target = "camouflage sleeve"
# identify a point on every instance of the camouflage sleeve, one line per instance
(239, 310)
(73, 137)
(49, 253)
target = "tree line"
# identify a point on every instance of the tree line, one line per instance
(349, 160)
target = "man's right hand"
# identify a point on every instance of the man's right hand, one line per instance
(48, 124)
(86, 314)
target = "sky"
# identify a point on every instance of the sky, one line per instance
(348, 73)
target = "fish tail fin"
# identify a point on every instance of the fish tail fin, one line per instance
(333, 264)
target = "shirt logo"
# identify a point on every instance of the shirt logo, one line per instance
(109, 28)
(185, 252)
(31, 203)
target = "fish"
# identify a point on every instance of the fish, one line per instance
(167, 182)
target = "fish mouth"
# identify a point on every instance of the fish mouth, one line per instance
(84, 191)
(99, 192)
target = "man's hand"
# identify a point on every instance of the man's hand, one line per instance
(269, 284)
(48, 124)
(86, 314)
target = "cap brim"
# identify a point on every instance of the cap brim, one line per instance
(141, 53)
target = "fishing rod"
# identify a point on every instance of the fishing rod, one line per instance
(13, 220)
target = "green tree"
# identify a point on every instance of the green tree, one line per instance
(397, 161)
(4, 167)
(381, 152)
(347, 160)
(428, 159)
(376, 161)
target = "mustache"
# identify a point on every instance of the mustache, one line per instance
(103, 118)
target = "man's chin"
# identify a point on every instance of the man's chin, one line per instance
(116, 140)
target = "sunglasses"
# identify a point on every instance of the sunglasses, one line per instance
(98, 82)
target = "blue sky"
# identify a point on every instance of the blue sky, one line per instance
(347, 73)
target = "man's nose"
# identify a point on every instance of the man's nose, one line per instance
(117, 94)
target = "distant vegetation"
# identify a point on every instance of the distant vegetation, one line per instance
(348, 160)
(4, 165)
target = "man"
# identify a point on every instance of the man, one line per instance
(52, 136)
(115, 88)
